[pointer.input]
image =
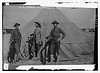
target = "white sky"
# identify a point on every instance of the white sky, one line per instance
(82, 17)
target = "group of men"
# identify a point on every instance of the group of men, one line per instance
(36, 41)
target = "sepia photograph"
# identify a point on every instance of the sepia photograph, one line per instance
(42, 35)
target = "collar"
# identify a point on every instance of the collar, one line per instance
(17, 29)
(55, 27)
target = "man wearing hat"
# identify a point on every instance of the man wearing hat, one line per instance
(16, 37)
(37, 38)
(55, 44)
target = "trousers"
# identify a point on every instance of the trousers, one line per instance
(17, 47)
(37, 48)
(54, 49)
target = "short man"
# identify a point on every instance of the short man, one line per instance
(30, 44)
(16, 37)
(56, 38)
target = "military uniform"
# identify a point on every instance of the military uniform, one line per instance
(16, 37)
(55, 44)
(37, 35)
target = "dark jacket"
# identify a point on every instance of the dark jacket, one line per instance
(56, 32)
(16, 35)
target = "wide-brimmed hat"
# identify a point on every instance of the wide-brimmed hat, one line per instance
(55, 22)
(16, 24)
(38, 24)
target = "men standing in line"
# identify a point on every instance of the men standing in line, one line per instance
(16, 37)
(55, 44)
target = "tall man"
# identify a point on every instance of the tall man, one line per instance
(16, 37)
(55, 44)
(37, 38)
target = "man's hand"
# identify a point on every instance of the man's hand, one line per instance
(4, 31)
(11, 41)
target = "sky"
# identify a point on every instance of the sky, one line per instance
(82, 17)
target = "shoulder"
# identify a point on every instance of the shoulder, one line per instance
(35, 29)
(52, 29)
(39, 29)
(19, 30)
(13, 31)
(59, 28)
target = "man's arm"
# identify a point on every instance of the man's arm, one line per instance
(12, 36)
(50, 36)
(20, 36)
(63, 34)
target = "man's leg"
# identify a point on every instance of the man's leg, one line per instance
(48, 54)
(52, 53)
(30, 57)
(36, 50)
(55, 54)
(17, 59)
(56, 51)
(17, 46)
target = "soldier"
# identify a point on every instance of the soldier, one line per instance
(16, 37)
(37, 38)
(55, 44)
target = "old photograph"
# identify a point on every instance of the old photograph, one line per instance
(35, 35)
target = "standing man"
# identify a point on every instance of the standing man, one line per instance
(56, 33)
(37, 38)
(16, 37)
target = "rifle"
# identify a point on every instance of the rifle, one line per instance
(43, 59)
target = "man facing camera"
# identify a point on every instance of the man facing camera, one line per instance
(56, 33)
(16, 37)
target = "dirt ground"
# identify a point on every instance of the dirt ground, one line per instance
(88, 59)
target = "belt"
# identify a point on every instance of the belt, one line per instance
(17, 40)
(55, 38)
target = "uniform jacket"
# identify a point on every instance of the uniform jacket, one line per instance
(37, 35)
(16, 35)
(56, 32)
